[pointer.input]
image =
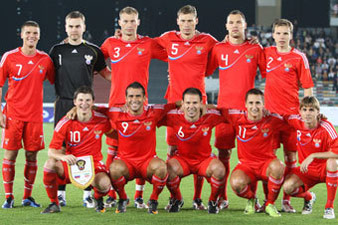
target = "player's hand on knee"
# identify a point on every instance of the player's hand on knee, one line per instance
(70, 159)
(306, 163)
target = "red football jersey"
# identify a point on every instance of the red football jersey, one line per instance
(193, 137)
(255, 139)
(187, 61)
(237, 71)
(321, 139)
(285, 72)
(81, 138)
(130, 63)
(137, 134)
(25, 76)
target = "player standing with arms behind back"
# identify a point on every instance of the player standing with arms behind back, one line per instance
(237, 61)
(130, 56)
(286, 69)
(26, 68)
(75, 61)
(188, 52)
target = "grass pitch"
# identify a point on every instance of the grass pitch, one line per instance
(75, 213)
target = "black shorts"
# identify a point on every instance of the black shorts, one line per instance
(62, 106)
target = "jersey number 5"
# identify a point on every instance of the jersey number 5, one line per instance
(174, 49)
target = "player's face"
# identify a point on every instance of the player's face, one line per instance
(235, 26)
(129, 23)
(282, 36)
(30, 36)
(84, 103)
(192, 105)
(309, 115)
(135, 100)
(187, 23)
(254, 105)
(75, 28)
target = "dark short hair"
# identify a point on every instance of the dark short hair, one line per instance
(237, 12)
(187, 9)
(75, 15)
(282, 22)
(192, 91)
(254, 91)
(30, 23)
(84, 90)
(136, 85)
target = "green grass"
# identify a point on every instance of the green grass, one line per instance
(75, 213)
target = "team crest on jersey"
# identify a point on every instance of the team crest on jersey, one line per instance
(89, 59)
(97, 133)
(140, 51)
(248, 58)
(287, 67)
(317, 142)
(199, 49)
(148, 125)
(41, 68)
(205, 131)
(81, 164)
(265, 132)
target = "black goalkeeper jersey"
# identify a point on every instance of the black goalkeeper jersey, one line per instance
(74, 66)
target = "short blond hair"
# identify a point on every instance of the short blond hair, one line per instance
(310, 101)
(128, 10)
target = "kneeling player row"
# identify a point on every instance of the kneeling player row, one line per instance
(136, 126)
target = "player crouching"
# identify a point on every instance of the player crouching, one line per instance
(82, 137)
(136, 157)
(193, 130)
(317, 145)
(257, 161)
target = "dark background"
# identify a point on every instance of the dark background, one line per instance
(157, 16)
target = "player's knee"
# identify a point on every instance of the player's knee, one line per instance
(237, 184)
(331, 164)
(117, 169)
(31, 156)
(160, 169)
(104, 184)
(288, 186)
(218, 170)
(50, 164)
(276, 168)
